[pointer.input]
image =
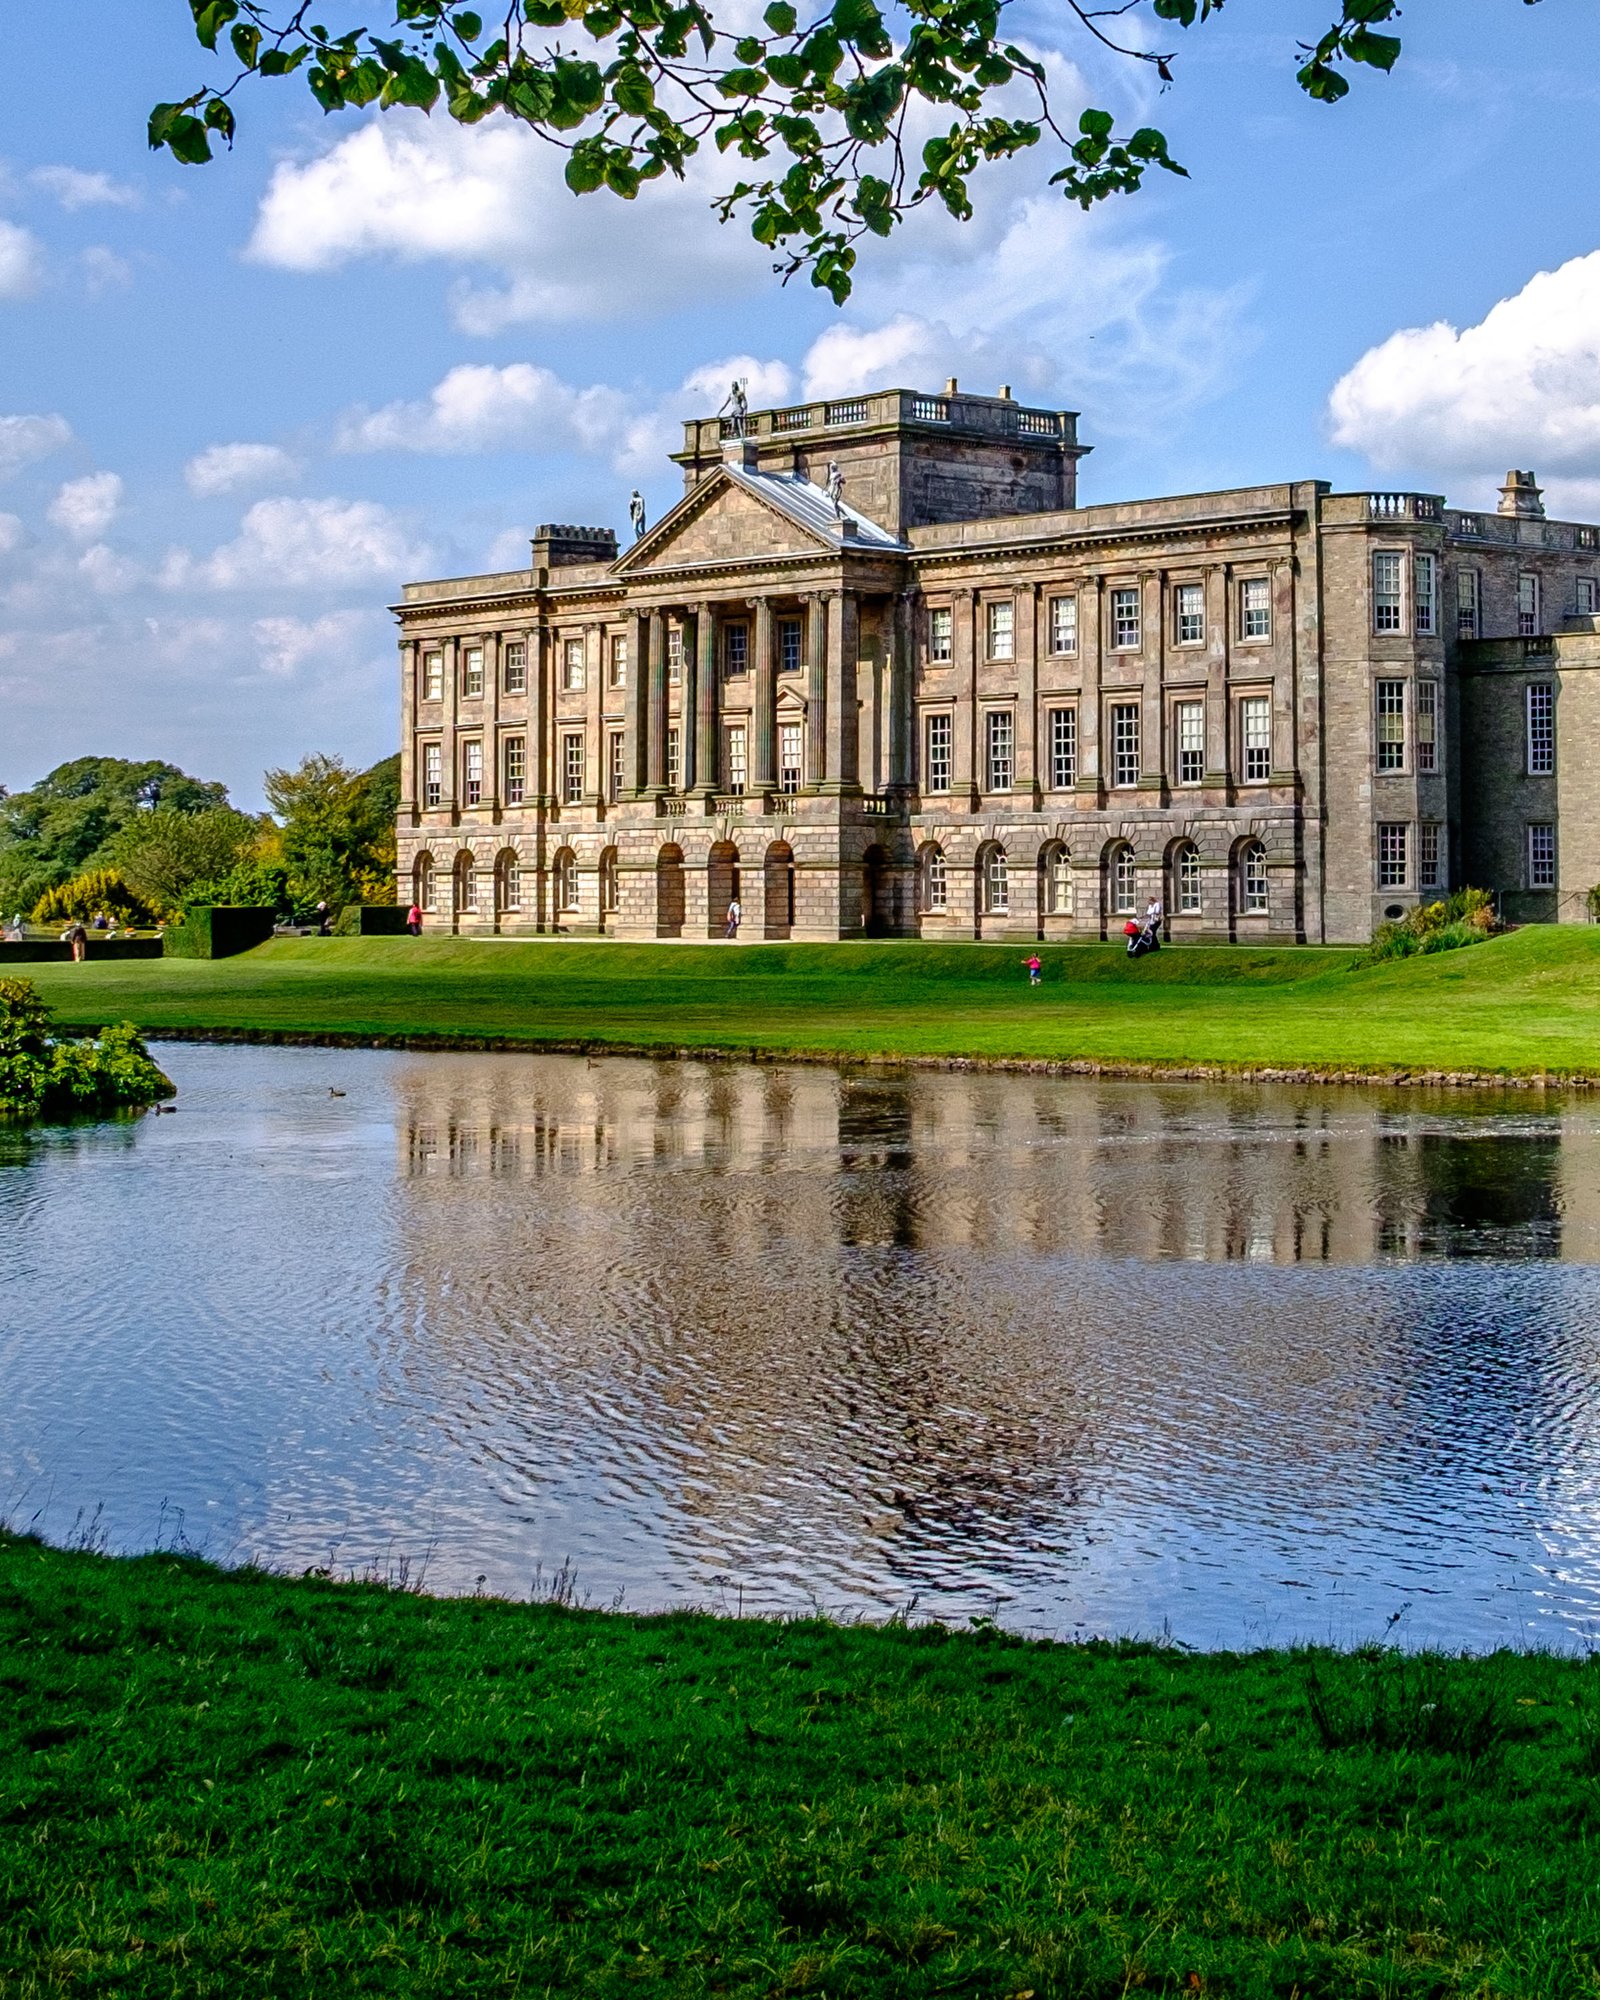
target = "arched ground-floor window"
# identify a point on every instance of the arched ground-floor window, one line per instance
(1186, 899)
(1055, 880)
(933, 881)
(994, 882)
(1253, 879)
(564, 882)
(423, 882)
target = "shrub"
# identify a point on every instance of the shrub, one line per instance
(1382, 1700)
(42, 1078)
(85, 896)
(1462, 918)
(1593, 901)
(164, 854)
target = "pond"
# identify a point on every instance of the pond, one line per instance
(1241, 1365)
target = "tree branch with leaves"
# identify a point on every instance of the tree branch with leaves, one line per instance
(820, 106)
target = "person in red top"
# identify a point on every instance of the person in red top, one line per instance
(414, 920)
(1035, 967)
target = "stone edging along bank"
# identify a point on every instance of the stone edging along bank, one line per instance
(440, 1043)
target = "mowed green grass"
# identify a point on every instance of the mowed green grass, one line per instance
(232, 1785)
(1528, 1002)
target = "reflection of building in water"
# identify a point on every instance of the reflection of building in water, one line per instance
(932, 1159)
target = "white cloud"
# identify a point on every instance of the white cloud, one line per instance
(10, 532)
(286, 644)
(306, 545)
(104, 270)
(479, 408)
(107, 572)
(765, 382)
(25, 439)
(415, 189)
(21, 261)
(227, 468)
(1522, 388)
(74, 188)
(85, 508)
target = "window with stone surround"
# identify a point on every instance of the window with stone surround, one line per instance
(472, 772)
(1393, 858)
(1587, 597)
(433, 774)
(1528, 605)
(1423, 593)
(791, 643)
(572, 664)
(564, 880)
(510, 885)
(999, 749)
(941, 632)
(1057, 873)
(1189, 614)
(1427, 725)
(1189, 731)
(1541, 855)
(1125, 743)
(514, 667)
(1186, 879)
(674, 758)
(433, 677)
(1255, 738)
(1063, 725)
(610, 882)
(1002, 622)
(1255, 610)
(935, 882)
(1390, 699)
(616, 765)
(1469, 600)
(619, 663)
(1064, 624)
(1428, 856)
(735, 649)
(424, 881)
(515, 753)
(1388, 602)
(472, 670)
(674, 654)
(572, 768)
(1125, 627)
(735, 760)
(994, 882)
(938, 766)
(1124, 881)
(791, 757)
(1541, 729)
(1253, 879)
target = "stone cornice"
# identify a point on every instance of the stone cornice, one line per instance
(1285, 519)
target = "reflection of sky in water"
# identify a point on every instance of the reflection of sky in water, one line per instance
(1249, 1365)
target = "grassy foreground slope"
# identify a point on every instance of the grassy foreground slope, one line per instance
(1526, 1002)
(217, 1784)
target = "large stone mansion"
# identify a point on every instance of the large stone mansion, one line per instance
(879, 673)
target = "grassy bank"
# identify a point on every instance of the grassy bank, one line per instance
(1526, 1003)
(235, 1785)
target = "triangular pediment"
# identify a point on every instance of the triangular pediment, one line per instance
(721, 521)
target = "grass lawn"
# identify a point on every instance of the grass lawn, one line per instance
(1527, 1002)
(229, 1784)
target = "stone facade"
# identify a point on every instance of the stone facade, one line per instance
(952, 703)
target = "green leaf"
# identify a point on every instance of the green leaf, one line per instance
(246, 40)
(781, 18)
(1096, 124)
(1377, 51)
(586, 169)
(467, 26)
(181, 133)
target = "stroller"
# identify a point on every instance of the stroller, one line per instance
(1142, 936)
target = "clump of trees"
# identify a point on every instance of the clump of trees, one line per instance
(42, 1077)
(142, 842)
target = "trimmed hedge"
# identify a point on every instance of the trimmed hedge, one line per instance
(51, 951)
(371, 920)
(219, 930)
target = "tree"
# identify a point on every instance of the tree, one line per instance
(165, 854)
(335, 832)
(64, 824)
(824, 106)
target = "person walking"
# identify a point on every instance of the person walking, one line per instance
(324, 921)
(735, 915)
(414, 920)
(78, 938)
(1035, 966)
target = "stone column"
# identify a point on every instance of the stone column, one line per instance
(843, 734)
(688, 773)
(451, 649)
(899, 682)
(1219, 616)
(816, 689)
(1026, 641)
(1285, 750)
(594, 726)
(492, 776)
(636, 728)
(764, 757)
(410, 667)
(539, 656)
(706, 760)
(1153, 692)
(656, 746)
(1091, 629)
(964, 687)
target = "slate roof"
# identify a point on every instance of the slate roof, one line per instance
(810, 506)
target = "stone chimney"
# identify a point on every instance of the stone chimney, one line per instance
(1521, 495)
(556, 545)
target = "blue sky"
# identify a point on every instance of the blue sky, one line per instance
(426, 346)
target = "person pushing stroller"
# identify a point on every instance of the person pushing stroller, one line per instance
(1144, 934)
